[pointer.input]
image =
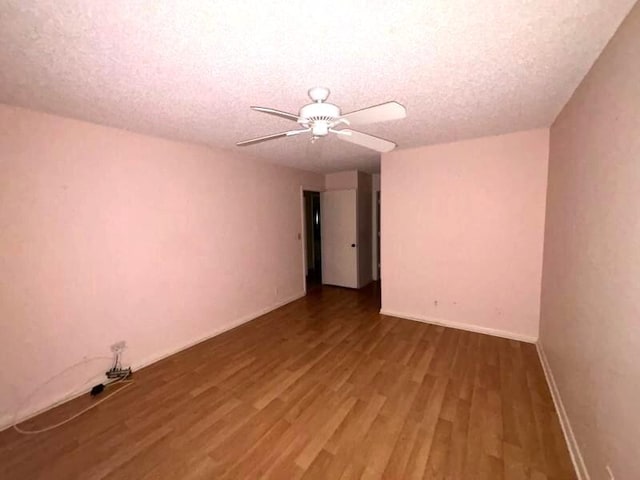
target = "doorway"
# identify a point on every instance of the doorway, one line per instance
(313, 239)
(340, 238)
(378, 238)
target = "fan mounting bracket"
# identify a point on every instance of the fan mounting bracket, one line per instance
(319, 94)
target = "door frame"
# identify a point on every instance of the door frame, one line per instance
(303, 232)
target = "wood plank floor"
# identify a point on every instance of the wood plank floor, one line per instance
(322, 388)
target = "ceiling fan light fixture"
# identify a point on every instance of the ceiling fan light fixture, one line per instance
(320, 128)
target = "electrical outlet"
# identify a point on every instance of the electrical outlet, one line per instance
(118, 346)
(610, 472)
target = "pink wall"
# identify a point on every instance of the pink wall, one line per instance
(590, 322)
(341, 180)
(462, 231)
(107, 235)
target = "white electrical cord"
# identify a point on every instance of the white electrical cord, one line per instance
(73, 417)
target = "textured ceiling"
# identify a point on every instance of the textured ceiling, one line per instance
(189, 70)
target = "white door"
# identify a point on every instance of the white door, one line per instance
(339, 234)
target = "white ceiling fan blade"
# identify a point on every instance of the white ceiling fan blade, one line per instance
(272, 136)
(378, 113)
(365, 140)
(277, 113)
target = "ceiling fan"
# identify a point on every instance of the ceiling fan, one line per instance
(321, 118)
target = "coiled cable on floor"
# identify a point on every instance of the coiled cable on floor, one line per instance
(15, 424)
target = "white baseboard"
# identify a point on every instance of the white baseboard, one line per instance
(462, 326)
(7, 420)
(229, 326)
(574, 450)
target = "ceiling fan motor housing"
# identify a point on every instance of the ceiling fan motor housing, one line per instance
(320, 117)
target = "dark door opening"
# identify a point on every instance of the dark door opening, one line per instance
(312, 239)
(378, 234)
